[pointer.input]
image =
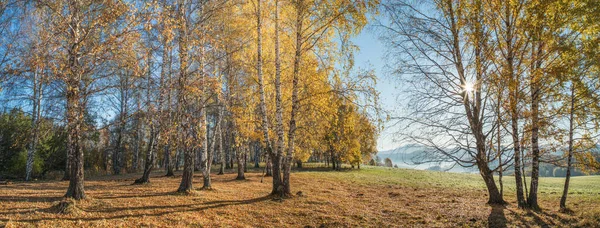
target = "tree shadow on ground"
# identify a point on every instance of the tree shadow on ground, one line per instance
(109, 196)
(44, 187)
(14, 211)
(236, 180)
(551, 218)
(34, 199)
(150, 210)
(497, 219)
(542, 218)
(562, 220)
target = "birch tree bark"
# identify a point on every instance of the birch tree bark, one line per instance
(38, 94)
(75, 106)
(184, 119)
(295, 103)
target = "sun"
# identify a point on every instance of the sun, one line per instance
(469, 87)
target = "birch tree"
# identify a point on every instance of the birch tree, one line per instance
(446, 65)
(313, 22)
(82, 52)
(507, 21)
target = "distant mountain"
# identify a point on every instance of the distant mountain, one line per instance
(406, 156)
(406, 149)
(411, 155)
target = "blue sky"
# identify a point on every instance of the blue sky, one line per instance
(371, 55)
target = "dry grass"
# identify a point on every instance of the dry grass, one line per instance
(370, 197)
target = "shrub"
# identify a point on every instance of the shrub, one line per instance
(388, 162)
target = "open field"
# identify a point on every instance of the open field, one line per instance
(370, 197)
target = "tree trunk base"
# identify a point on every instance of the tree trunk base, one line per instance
(75, 192)
(565, 210)
(240, 178)
(66, 206)
(281, 195)
(497, 202)
(141, 181)
(170, 172)
(534, 207)
(288, 196)
(186, 191)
